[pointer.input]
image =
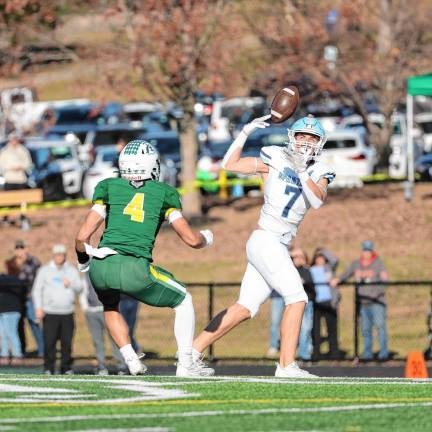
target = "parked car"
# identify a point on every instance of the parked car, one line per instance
(167, 143)
(228, 113)
(106, 165)
(423, 166)
(424, 122)
(51, 157)
(348, 154)
(398, 140)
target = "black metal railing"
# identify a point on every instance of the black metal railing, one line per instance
(214, 287)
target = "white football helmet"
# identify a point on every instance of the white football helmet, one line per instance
(139, 160)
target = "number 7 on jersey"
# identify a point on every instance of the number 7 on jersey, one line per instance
(296, 192)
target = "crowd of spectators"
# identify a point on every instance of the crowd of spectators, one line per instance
(322, 287)
(45, 297)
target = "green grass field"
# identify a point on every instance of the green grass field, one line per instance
(79, 403)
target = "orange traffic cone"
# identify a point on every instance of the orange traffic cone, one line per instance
(416, 365)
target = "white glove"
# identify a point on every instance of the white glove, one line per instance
(208, 237)
(84, 267)
(299, 163)
(258, 123)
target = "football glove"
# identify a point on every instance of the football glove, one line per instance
(258, 123)
(208, 237)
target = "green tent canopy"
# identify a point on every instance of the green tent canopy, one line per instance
(420, 85)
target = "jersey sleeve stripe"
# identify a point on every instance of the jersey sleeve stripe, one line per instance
(99, 201)
(169, 211)
(263, 153)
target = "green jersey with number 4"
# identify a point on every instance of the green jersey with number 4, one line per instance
(134, 215)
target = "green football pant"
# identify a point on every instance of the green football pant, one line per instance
(136, 277)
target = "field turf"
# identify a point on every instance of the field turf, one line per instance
(78, 403)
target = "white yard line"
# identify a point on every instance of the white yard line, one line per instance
(214, 413)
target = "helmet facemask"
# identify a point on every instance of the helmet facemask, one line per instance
(304, 144)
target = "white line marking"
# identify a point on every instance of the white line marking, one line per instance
(144, 429)
(214, 413)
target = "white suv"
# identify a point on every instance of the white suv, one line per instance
(347, 153)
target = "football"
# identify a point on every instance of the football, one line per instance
(284, 104)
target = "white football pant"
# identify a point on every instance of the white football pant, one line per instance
(269, 268)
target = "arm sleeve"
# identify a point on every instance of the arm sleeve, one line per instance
(37, 290)
(83, 296)
(100, 195)
(348, 272)
(172, 202)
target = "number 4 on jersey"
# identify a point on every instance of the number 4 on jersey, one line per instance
(135, 208)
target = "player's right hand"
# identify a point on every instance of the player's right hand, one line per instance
(208, 237)
(258, 123)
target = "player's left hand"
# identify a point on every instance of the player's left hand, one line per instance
(208, 237)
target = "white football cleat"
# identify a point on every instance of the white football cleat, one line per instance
(292, 371)
(135, 366)
(193, 371)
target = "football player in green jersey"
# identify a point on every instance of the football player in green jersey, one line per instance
(133, 207)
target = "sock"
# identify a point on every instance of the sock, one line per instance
(128, 352)
(184, 328)
(196, 355)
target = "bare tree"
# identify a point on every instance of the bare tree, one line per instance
(379, 43)
(176, 46)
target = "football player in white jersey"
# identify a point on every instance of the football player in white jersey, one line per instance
(294, 181)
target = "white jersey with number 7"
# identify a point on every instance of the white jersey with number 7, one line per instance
(285, 204)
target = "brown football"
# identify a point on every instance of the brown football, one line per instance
(284, 104)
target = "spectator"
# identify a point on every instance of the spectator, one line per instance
(15, 161)
(370, 268)
(12, 294)
(325, 306)
(129, 311)
(278, 306)
(93, 310)
(54, 292)
(332, 259)
(24, 266)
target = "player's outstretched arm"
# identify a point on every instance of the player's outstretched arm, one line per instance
(248, 165)
(93, 221)
(196, 240)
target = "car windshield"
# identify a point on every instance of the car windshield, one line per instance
(76, 115)
(277, 139)
(426, 127)
(109, 156)
(339, 143)
(43, 156)
(113, 137)
(166, 145)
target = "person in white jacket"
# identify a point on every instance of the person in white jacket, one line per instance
(54, 291)
(93, 310)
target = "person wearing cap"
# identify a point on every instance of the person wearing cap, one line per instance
(55, 288)
(25, 266)
(15, 161)
(370, 269)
